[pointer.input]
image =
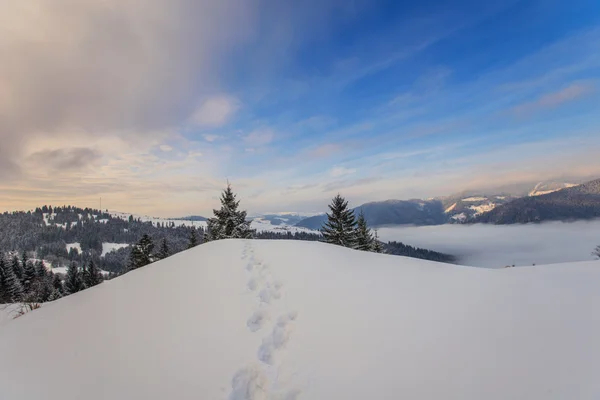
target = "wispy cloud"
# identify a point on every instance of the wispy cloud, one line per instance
(259, 137)
(551, 100)
(341, 171)
(215, 111)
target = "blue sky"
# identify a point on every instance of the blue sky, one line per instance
(293, 102)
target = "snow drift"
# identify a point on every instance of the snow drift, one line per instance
(252, 319)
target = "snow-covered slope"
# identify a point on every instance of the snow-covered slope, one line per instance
(289, 320)
(261, 223)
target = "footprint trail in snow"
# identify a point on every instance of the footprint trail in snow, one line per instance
(259, 381)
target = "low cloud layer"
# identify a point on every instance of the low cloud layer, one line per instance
(495, 246)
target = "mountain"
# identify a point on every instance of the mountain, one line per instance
(576, 202)
(549, 187)
(464, 207)
(190, 218)
(244, 320)
(390, 212)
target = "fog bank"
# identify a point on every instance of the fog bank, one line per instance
(494, 246)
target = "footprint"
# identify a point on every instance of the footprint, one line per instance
(257, 320)
(252, 284)
(249, 383)
(277, 339)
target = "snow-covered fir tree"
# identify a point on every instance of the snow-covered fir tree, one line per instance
(340, 227)
(377, 245)
(228, 222)
(29, 273)
(164, 250)
(74, 280)
(11, 290)
(92, 275)
(142, 253)
(57, 284)
(193, 238)
(364, 237)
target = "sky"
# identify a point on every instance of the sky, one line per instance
(154, 105)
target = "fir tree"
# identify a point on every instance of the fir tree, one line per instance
(596, 252)
(29, 274)
(92, 275)
(44, 289)
(141, 253)
(40, 269)
(73, 280)
(377, 246)
(17, 268)
(341, 224)
(364, 237)
(11, 286)
(57, 284)
(228, 221)
(193, 238)
(164, 250)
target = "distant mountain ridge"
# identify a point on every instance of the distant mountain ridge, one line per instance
(391, 212)
(502, 207)
(572, 203)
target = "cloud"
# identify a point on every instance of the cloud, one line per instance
(66, 159)
(128, 66)
(166, 148)
(324, 150)
(341, 171)
(215, 111)
(210, 137)
(551, 100)
(259, 137)
(495, 246)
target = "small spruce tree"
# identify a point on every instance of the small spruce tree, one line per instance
(74, 280)
(57, 284)
(17, 268)
(92, 275)
(341, 224)
(10, 284)
(164, 250)
(364, 237)
(141, 253)
(29, 274)
(596, 252)
(228, 222)
(193, 238)
(377, 246)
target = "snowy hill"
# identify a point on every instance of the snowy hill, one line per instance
(254, 319)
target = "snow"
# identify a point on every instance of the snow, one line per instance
(263, 225)
(108, 247)
(74, 246)
(469, 199)
(459, 217)
(8, 313)
(537, 192)
(452, 207)
(63, 270)
(480, 209)
(282, 319)
(258, 223)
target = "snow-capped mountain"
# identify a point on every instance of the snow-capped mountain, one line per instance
(549, 187)
(241, 320)
(466, 206)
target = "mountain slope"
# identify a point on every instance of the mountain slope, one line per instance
(391, 212)
(255, 319)
(577, 202)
